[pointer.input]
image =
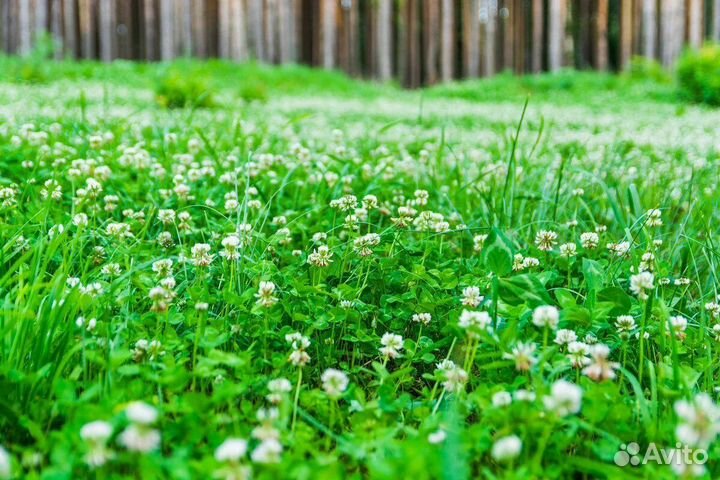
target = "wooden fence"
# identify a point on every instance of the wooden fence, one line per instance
(416, 41)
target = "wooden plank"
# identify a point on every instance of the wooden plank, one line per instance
(556, 34)
(167, 30)
(649, 28)
(86, 12)
(271, 30)
(286, 31)
(328, 33)
(105, 29)
(471, 38)
(601, 35)
(150, 30)
(56, 26)
(224, 28)
(415, 62)
(384, 40)
(41, 15)
(238, 33)
(490, 54)
(256, 28)
(695, 22)
(70, 28)
(25, 28)
(447, 47)
(431, 22)
(537, 35)
(199, 31)
(626, 33)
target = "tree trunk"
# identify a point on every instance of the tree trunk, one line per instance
(384, 40)
(626, 33)
(87, 30)
(238, 50)
(167, 26)
(328, 11)
(695, 27)
(105, 16)
(25, 37)
(431, 30)
(556, 34)
(649, 28)
(471, 38)
(537, 35)
(447, 50)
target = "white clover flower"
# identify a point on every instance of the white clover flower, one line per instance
(641, 283)
(200, 254)
(565, 336)
(267, 452)
(391, 345)
(565, 398)
(140, 439)
(335, 382)
(141, 413)
(266, 294)
(80, 220)
(231, 450)
(698, 421)
(523, 354)
(474, 322)
(546, 316)
(654, 218)
(545, 240)
(5, 463)
(321, 257)
(578, 354)
(437, 437)
(589, 240)
(424, 318)
(568, 250)
(506, 448)
(501, 399)
(471, 297)
(600, 368)
(96, 434)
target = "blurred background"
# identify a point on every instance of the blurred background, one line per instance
(414, 42)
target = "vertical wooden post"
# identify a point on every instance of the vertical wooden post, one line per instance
(87, 30)
(199, 32)
(384, 40)
(256, 28)
(224, 28)
(56, 28)
(69, 27)
(556, 34)
(25, 43)
(626, 33)
(328, 28)
(287, 34)
(106, 30)
(447, 50)
(601, 38)
(695, 20)
(649, 28)
(238, 34)
(537, 35)
(471, 38)
(41, 18)
(149, 28)
(167, 34)
(431, 30)
(413, 34)
(185, 30)
(490, 11)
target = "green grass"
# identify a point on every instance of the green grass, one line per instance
(366, 205)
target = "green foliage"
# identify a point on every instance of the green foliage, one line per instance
(698, 74)
(183, 89)
(136, 242)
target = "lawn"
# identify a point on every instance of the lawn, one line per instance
(298, 275)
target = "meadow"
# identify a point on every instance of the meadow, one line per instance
(221, 271)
